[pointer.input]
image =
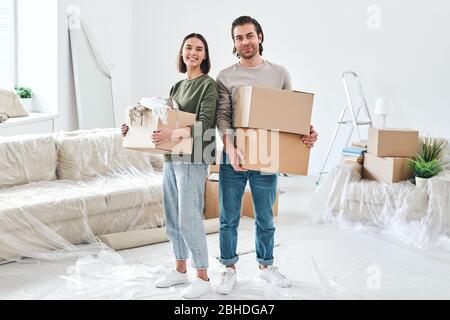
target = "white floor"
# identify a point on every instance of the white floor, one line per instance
(322, 261)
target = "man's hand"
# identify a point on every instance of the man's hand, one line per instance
(310, 139)
(162, 136)
(236, 158)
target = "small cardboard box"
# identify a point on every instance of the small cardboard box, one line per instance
(393, 142)
(387, 169)
(212, 202)
(272, 109)
(139, 135)
(273, 151)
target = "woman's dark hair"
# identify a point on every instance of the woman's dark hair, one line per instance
(206, 64)
(245, 20)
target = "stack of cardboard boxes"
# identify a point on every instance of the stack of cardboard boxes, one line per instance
(268, 125)
(388, 152)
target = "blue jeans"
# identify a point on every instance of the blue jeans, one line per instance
(183, 196)
(231, 189)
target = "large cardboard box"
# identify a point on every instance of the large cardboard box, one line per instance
(212, 202)
(393, 142)
(265, 108)
(387, 169)
(139, 136)
(273, 151)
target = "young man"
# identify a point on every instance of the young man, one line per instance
(251, 69)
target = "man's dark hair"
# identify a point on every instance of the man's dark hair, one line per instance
(205, 65)
(245, 20)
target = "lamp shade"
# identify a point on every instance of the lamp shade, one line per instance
(383, 106)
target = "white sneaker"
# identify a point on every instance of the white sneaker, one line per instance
(174, 277)
(229, 278)
(197, 289)
(272, 275)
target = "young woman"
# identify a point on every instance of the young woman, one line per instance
(185, 177)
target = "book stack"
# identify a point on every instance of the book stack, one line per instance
(353, 155)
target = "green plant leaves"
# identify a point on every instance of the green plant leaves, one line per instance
(24, 92)
(428, 162)
(431, 148)
(425, 169)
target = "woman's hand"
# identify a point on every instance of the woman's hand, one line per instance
(124, 130)
(162, 136)
(310, 139)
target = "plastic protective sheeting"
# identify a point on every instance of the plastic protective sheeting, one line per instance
(417, 216)
(131, 274)
(62, 190)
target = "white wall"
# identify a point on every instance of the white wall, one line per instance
(111, 24)
(408, 58)
(37, 52)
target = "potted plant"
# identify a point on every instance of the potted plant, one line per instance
(26, 96)
(423, 170)
(427, 163)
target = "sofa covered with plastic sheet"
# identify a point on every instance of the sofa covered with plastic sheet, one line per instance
(63, 189)
(417, 216)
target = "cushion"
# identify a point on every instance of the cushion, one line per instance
(128, 191)
(27, 158)
(44, 202)
(370, 201)
(60, 200)
(11, 104)
(96, 154)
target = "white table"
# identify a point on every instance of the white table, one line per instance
(35, 122)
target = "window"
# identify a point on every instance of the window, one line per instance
(7, 43)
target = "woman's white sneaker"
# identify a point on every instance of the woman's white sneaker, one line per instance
(197, 289)
(173, 278)
(227, 282)
(272, 275)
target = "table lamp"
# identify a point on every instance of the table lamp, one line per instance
(383, 108)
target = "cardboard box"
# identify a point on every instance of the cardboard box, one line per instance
(140, 133)
(387, 169)
(272, 109)
(393, 142)
(211, 199)
(212, 202)
(273, 151)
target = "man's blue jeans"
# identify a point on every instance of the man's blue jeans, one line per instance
(231, 189)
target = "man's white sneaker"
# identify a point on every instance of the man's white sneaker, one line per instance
(272, 275)
(197, 289)
(227, 282)
(174, 277)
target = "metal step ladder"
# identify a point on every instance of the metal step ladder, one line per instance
(353, 121)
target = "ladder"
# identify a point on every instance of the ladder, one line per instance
(354, 113)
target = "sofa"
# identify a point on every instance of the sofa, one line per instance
(417, 216)
(63, 189)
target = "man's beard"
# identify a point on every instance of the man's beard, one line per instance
(249, 55)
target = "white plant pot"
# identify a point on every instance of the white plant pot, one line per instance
(421, 182)
(27, 103)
